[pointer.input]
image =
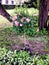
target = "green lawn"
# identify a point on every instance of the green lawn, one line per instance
(3, 21)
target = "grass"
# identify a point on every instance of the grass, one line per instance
(8, 38)
(3, 21)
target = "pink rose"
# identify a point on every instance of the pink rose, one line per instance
(16, 23)
(14, 17)
(21, 25)
(27, 19)
(24, 18)
(37, 30)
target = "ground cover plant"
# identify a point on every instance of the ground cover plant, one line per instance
(8, 57)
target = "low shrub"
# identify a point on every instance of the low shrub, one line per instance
(14, 58)
(8, 57)
(26, 22)
(23, 24)
(28, 25)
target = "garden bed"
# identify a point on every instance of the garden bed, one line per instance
(10, 40)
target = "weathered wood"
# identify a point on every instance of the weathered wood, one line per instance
(4, 13)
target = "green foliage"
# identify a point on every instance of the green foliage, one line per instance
(26, 11)
(21, 58)
(29, 28)
(42, 32)
(16, 57)
(21, 10)
(5, 37)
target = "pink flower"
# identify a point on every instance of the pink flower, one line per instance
(37, 30)
(27, 19)
(23, 19)
(14, 17)
(21, 25)
(11, 24)
(16, 23)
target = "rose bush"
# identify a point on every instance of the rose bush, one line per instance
(21, 23)
(26, 24)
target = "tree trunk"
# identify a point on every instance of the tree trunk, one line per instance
(4, 13)
(43, 14)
